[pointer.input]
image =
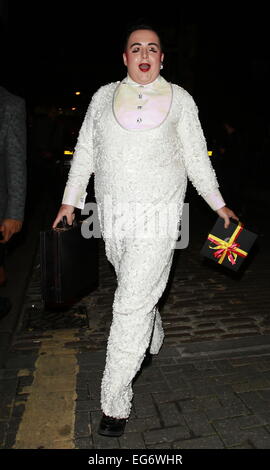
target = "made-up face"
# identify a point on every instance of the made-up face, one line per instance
(143, 56)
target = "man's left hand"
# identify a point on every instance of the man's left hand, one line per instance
(8, 228)
(225, 213)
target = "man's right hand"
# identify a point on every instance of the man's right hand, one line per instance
(65, 210)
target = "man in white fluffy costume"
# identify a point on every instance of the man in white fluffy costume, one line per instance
(142, 139)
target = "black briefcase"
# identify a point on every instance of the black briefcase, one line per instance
(69, 264)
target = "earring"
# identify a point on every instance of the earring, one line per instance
(161, 65)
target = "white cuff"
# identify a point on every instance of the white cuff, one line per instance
(74, 197)
(214, 200)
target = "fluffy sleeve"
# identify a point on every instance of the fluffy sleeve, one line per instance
(195, 155)
(82, 165)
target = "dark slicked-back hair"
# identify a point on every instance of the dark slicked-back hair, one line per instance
(134, 27)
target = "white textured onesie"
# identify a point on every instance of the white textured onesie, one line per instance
(145, 168)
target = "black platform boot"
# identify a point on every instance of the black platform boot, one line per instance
(110, 426)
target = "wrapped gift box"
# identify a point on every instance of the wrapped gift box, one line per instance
(228, 246)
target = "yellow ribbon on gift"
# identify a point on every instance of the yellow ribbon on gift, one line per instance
(229, 248)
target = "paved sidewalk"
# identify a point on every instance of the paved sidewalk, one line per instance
(209, 387)
(204, 395)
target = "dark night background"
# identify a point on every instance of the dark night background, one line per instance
(216, 317)
(219, 54)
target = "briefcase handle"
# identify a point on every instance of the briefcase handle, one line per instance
(63, 224)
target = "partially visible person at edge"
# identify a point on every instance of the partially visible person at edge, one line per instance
(142, 138)
(12, 176)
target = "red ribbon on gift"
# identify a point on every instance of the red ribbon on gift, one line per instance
(229, 248)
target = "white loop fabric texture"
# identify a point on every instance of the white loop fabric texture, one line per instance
(145, 167)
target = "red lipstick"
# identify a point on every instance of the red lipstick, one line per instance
(144, 67)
